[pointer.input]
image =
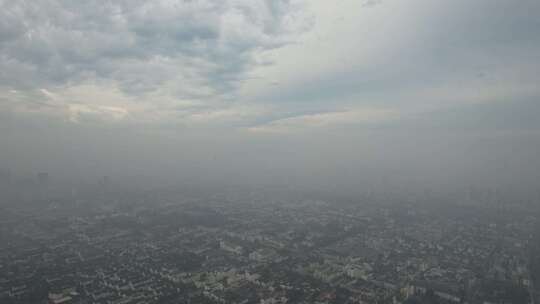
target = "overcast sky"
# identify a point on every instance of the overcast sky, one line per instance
(321, 92)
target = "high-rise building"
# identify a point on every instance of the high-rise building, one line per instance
(105, 184)
(43, 179)
(5, 176)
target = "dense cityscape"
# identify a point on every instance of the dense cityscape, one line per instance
(105, 244)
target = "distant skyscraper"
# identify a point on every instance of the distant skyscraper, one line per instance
(5, 176)
(105, 184)
(43, 179)
(43, 185)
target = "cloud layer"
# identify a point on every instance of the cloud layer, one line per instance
(164, 53)
(246, 63)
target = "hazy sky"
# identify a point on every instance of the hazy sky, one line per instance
(322, 92)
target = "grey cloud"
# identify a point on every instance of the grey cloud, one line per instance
(370, 3)
(56, 42)
(498, 117)
(460, 45)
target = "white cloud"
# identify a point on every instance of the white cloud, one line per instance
(95, 113)
(329, 119)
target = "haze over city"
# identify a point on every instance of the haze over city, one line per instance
(314, 92)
